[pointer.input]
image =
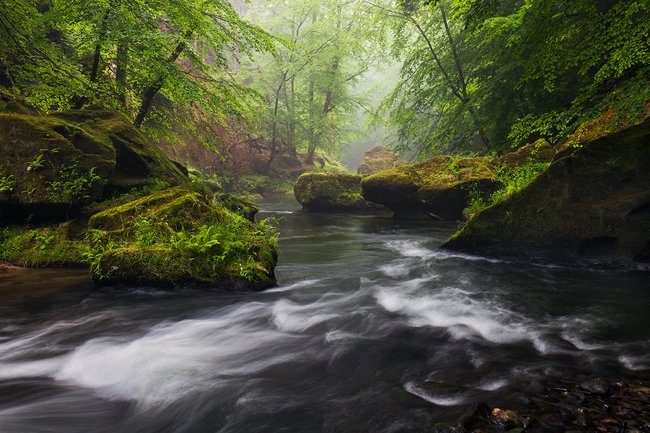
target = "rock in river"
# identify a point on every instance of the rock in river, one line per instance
(591, 204)
(323, 191)
(439, 186)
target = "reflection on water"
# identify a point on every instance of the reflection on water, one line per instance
(369, 329)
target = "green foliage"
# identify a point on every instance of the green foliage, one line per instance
(45, 246)
(308, 83)
(516, 179)
(510, 72)
(74, 184)
(512, 180)
(7, 183)
(63, 54)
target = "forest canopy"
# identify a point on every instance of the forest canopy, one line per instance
(478, 76)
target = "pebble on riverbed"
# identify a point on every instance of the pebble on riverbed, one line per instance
(562, 406)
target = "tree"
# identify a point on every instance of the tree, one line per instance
(505, 72)
(121, 50)
(307, 84)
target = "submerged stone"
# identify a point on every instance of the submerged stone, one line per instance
(592, 204)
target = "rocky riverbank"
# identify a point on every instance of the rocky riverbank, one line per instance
(86, 188)
(564, 406)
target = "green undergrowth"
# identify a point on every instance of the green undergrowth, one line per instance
(260, 184)
(600, 113)
(512, 179)
(165, 237)
(41, 247)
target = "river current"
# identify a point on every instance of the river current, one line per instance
(370, 329)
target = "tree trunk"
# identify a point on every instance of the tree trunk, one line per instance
(121, 66)
(151, 91)
(94, 72)
(274, 128)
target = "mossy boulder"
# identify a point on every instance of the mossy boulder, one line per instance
(53, 165)
(592, 204)
(322, 191)
(439, 186)
(138, 161)
(50, 166)
(172, 237)
(377, 159)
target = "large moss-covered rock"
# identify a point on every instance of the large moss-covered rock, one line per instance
(53, 165)
(322, 191)
(592, 203)
(167, 238)
(50, 166)
(439, 186)
(377, 159)
(139, 161)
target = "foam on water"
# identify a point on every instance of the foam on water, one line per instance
(170, 360)
(437, 399)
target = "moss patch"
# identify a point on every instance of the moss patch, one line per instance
(330, 191)
(439, 186)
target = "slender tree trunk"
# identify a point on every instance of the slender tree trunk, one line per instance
(94, 71)
(274, 127)
(151, 91)
(122, 64)
(327, 107)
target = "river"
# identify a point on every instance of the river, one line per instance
(370, 329)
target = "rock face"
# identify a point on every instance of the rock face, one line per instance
(377, 159)
(330, 191)
(52, 165)
(173, 237)
(591, 204)
(439, 186)
(138, 161)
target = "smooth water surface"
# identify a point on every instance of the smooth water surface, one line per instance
(369, 330)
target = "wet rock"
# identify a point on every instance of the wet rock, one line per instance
(138, 161)
(53, 165)
(50, 167)
(598, 385)
(439, 187)
(322, 191)
(169, 238)
(506, 419)
(377, 159)
(591, 205)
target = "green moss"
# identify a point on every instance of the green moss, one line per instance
(41, 247)
(177, 206)
(330, 191)
(53, 161)
(170, 237)
(176, 236)
(439, 186)
(581, 206)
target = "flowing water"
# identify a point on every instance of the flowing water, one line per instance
(369, 330)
